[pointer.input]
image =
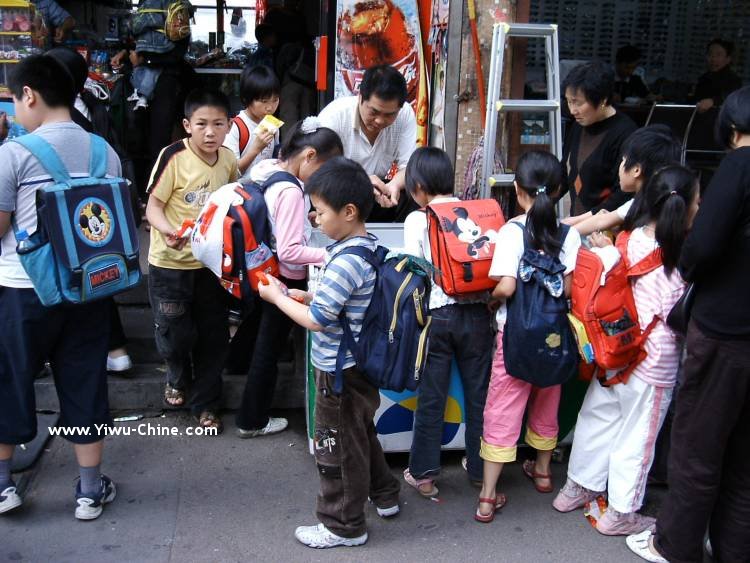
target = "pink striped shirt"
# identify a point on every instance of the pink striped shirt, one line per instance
(656, 294)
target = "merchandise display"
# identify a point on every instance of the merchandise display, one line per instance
(20, 28)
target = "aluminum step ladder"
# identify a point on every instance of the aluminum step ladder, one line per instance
(495, 104)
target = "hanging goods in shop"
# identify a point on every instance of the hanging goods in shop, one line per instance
(170, 17)
(496, 105)
(86, 245)
(462, 243)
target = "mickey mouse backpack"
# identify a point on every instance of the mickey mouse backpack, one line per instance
(462, 242)
(86, 244)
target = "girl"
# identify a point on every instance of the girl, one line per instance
(307, 148)
(259, 93)
(645, 151)
(460, 329)
(613, 446)
(538, 179)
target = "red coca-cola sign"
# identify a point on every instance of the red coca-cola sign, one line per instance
(370, 33)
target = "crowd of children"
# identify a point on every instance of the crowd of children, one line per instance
(617, 426)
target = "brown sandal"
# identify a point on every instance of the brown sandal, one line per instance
(529, 469)
(174, 397)
(499, 501)
(209, 419)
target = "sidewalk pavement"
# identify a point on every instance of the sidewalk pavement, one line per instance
(217, 499)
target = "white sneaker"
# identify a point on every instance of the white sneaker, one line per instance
(120, 363)
(389, 512)
(9, 499)
(321, 537)
(639, 544)
(274, 426)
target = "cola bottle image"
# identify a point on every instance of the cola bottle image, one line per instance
(375, 32)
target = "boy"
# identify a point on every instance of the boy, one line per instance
(74, 338)
(645, 151)
(350, 460)
(189, 304)
(259, 93)
(460, 329)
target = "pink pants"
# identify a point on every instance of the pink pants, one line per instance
(507, 399)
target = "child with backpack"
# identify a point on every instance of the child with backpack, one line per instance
(461, 328)
(251, 143)
(349, 457)
(644, 152)
(307, 148)
(189, 304)
(617, 426)
(533, 261)
(74, 337)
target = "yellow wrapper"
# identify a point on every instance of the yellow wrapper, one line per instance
(271, 124)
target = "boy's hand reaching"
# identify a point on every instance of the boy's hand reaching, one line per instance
(304, 297)
(599, 240)
(271, 291)
(174, 241)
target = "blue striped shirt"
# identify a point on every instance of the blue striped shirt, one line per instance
(347, 284)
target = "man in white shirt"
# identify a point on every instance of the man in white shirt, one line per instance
(379, 131)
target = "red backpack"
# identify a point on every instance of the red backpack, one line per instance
(462, 242)
(608, 313)
(243, 130)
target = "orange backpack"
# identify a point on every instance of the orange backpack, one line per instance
(608, 313)
(462, 241)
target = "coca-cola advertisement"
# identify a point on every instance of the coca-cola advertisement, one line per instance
(374, 32)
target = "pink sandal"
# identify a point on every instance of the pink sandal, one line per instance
(419, 483)
(499, 501)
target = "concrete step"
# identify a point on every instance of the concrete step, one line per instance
(144, 389)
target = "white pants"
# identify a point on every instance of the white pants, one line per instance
(615, 437)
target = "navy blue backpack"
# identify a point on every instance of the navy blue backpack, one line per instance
(538, 344)
(86, 243)
(392, 346)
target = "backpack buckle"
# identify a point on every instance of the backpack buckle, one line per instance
(468, 272)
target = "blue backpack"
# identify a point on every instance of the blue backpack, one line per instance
(538, 344)
(392, 346)
(86, 244)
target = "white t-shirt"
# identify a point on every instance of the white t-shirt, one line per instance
(232, 142)
(417, 243)
(395, 143)
(509, 250)
(622, 211)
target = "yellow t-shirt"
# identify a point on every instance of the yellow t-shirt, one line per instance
(184, 181)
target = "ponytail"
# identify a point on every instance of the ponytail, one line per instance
(539, 174)
(669, 195)
(310, 133)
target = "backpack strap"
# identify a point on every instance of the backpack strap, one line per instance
(647, 264)
(348, 342)
(98, 160)
(282, 176)
(46, 155)
(243, 131)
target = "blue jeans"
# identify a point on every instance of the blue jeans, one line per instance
(463, 332)
(144, 79)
